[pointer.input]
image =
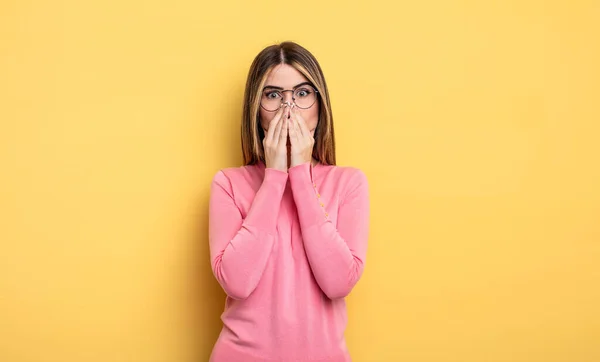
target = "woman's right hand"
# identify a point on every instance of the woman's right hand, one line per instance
(275, 140)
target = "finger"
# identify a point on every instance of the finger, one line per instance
(302, 124)
(277, 127)
(280, 125)
(284, 130)
(273, 124)
(292, 129)
(287, 129)
(295, 126)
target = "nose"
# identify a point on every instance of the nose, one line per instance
(288, 97)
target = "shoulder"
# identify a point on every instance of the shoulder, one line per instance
(227, 177)
(356, 174)
(356, 187)
(348, 179)
(348, 174)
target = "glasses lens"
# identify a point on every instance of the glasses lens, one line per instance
(271, 99)
(305, 96)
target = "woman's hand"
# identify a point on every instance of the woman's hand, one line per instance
(301, 139)
(275, 141)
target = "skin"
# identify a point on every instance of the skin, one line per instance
(294, 124)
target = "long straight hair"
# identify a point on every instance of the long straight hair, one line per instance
(303, 61)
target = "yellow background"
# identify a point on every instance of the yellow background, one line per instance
(476, 122)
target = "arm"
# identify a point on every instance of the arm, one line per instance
(240, 248)
(336, 256)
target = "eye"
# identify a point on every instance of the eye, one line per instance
(272, 95)
(303, 92)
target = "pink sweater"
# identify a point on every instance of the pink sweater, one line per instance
(287, 247)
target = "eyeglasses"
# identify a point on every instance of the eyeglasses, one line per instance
(303, 96)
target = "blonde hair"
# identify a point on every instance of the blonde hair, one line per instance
(302, 60)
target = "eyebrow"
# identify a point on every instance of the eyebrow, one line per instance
(280, 88)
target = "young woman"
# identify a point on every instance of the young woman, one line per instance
(288, 231)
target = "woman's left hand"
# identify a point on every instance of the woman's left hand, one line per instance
(301, 139)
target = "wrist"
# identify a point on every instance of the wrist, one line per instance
(298, 161)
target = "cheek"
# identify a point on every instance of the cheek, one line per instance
(312, 117)
(265, 118)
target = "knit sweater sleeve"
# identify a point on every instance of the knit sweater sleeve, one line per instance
(240, 247)
(336, 254)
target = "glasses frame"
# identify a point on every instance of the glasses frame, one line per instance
(293, 98)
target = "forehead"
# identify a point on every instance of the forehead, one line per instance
(285, 76)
